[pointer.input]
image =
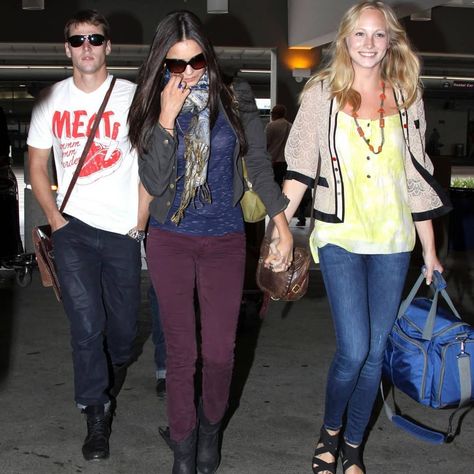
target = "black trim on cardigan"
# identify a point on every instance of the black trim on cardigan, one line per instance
(429, 215)
(322, 181)
(335, 163)
(325, 217)
(302, 178)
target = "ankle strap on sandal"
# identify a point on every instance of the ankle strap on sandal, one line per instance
(351, 456)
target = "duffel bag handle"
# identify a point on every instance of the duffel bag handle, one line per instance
(439, 285)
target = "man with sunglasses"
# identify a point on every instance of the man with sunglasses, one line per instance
(97, 239)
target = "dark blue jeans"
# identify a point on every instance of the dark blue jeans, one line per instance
(364, 293)
(99, 275)
(157, 334)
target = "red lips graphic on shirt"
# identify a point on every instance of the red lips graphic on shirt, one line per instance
(96, 159)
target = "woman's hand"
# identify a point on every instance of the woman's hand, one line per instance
(431, 264)
(281, 246)
(281, 253)
(172, 99)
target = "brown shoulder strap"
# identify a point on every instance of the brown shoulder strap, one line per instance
(87, 146)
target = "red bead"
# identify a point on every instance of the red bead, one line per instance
(333, 158)
(405, 125)
(361, 132)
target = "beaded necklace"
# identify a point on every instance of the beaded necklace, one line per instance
(381, 111)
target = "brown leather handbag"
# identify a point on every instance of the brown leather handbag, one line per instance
(45, 258)
(290, 285)
(42, 241)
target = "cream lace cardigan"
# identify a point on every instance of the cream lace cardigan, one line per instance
(311, 156)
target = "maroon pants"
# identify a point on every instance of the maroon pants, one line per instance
(215, 266)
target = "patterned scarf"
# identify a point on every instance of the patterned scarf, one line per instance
(197, 147)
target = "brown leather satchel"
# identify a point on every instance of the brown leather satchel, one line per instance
(289, 285)
(43, 244)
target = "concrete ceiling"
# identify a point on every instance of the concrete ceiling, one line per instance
(314, 23)
(47, 61)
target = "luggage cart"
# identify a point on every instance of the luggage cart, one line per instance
(12, 255)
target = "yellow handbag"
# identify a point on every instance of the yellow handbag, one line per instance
(253, 208)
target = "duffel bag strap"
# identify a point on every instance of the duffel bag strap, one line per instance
(420, 431)
(410, 426)
(411, 296)
(465, 380)
(428, 434)
(439, 286)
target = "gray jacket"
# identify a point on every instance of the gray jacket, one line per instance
(158, 166)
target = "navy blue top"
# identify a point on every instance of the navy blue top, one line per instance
(219, 217)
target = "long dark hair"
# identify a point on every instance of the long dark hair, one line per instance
(146, 105)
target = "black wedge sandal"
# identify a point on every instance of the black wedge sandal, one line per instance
(330, 444)
(351, 456)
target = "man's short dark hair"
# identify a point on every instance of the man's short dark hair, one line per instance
(88, 16)
(278, 111)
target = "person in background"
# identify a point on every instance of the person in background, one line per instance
(360, 131)
(277, 131)
(191, 132)
(97, 240)
(433, 146)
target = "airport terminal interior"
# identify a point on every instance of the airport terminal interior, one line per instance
(282, 357)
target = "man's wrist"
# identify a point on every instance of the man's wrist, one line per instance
(136, 234)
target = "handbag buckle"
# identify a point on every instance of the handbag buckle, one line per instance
(296, 287)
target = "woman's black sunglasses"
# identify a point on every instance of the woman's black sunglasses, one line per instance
(177, 66)
(78, 40)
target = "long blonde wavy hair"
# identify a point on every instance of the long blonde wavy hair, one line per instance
(400, 67)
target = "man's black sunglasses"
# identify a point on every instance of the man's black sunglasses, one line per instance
(177, 66)
(78, 40)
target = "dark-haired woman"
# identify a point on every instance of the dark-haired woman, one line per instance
(191, 132)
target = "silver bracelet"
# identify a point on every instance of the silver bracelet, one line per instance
(136, 234)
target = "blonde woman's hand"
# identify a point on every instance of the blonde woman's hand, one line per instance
(431, 264)
(172, 99)
(281, 253)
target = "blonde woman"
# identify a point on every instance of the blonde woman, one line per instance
(361, 124)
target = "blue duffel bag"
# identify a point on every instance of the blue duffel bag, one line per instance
(430, 356)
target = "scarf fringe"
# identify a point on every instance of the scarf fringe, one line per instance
(195, 185)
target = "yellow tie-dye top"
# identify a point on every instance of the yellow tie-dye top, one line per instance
(377, 216)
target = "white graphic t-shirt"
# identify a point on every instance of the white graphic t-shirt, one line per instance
(106, 193)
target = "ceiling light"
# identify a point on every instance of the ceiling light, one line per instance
(32, 4)
(217, 6)
(256, 71)
(424, 15)
(300, 73)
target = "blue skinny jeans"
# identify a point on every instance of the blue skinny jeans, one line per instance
(364, 293)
